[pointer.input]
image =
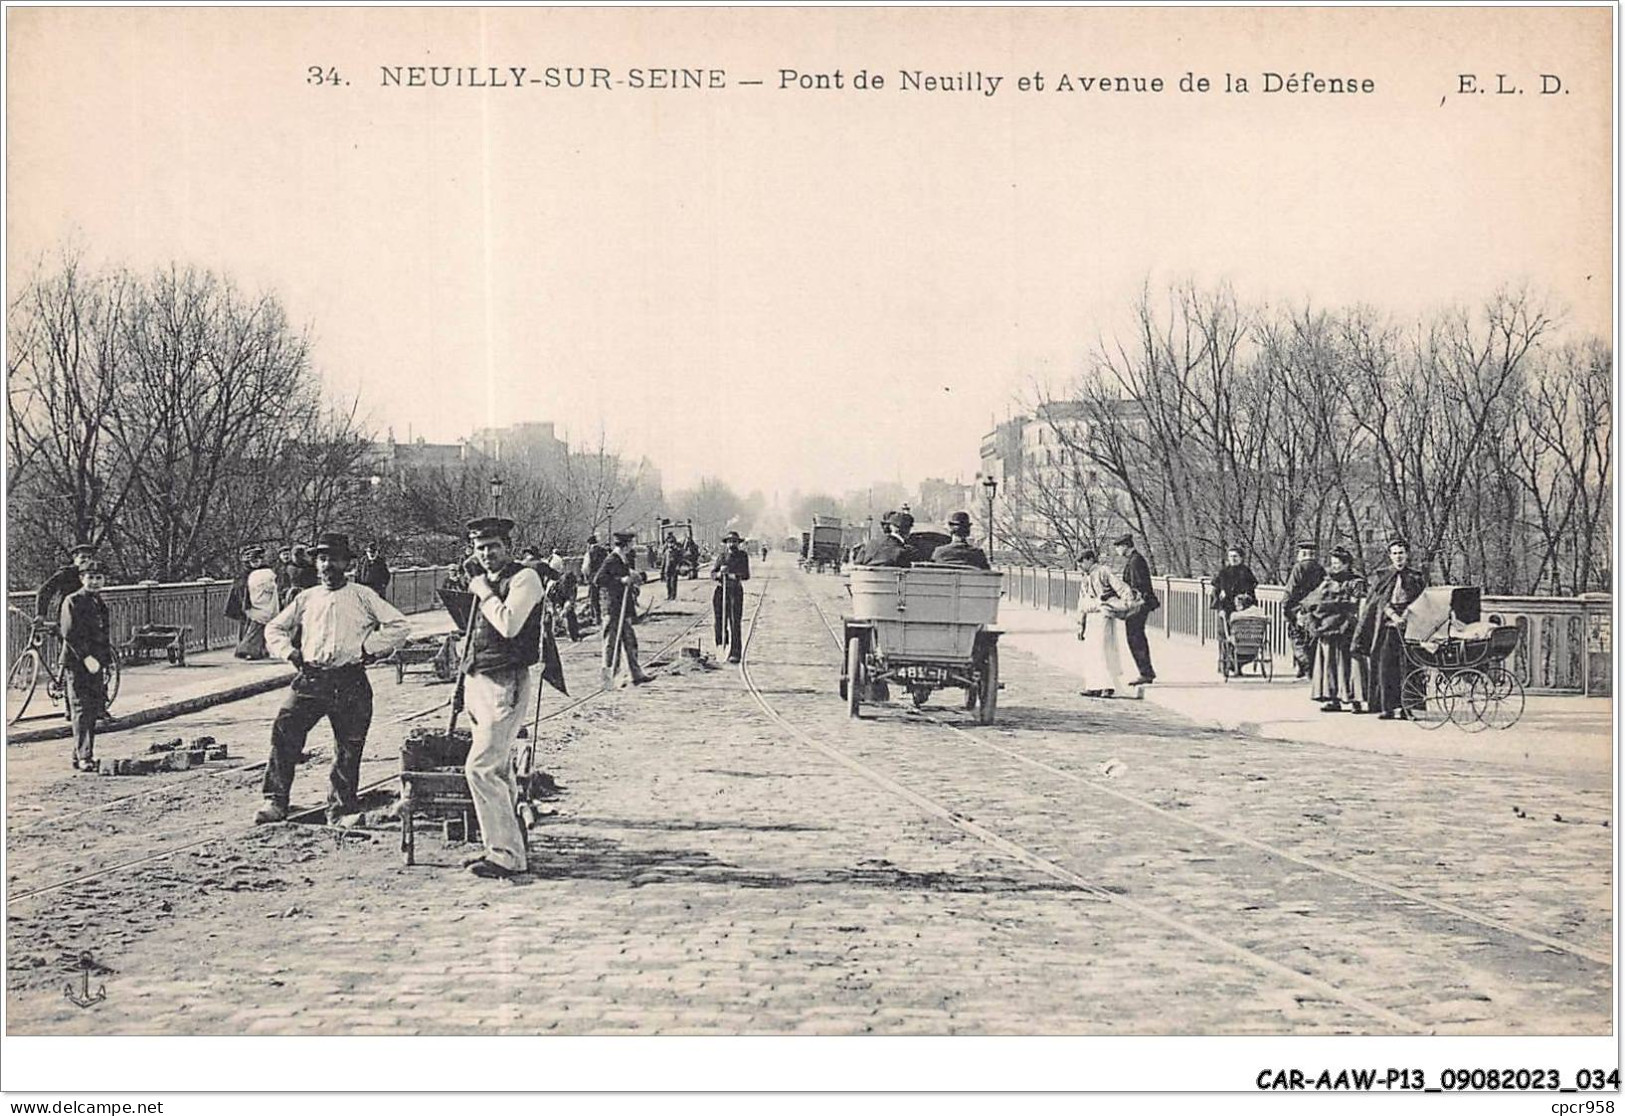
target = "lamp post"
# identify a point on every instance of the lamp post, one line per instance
(496, 495)
(991, 487)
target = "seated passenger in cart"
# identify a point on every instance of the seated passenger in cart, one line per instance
(960, 551)
(892, 548)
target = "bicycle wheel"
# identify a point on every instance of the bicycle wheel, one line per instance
(111, 679)
(1498, 698)
(1427, 696)
(20, 682)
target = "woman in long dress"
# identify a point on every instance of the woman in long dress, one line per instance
(1339, 674)
(1101, 600)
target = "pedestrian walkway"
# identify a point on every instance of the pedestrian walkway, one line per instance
(1561, 733)
(157, 690)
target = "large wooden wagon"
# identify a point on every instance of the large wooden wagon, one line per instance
(923, 629)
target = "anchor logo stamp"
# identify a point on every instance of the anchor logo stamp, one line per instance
(82, 996)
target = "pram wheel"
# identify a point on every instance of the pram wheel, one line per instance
(1429, 696)
(1496, 698)
(1469, 686)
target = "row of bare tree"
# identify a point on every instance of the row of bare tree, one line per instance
(170, 418)
(1483, 437)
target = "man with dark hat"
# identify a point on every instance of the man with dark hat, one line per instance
(373, 572)
(671, 564)
(1137, 576)
(1379, 631)
(330, 632)
(66, 580)
(892, 548)
(505, 641)
(1305, 576)
(730, 571)
(614, 582)
(959, 551)
(87, 648)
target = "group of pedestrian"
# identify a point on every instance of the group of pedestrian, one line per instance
(1113, 607)
(1347, 633)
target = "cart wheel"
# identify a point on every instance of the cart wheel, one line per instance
(1427, 695)
(20, 683)
(1497, 698)
(988, 694)
(856, 681)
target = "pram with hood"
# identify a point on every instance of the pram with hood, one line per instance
(1457, 662)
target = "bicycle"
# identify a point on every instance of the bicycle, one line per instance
(22, 679)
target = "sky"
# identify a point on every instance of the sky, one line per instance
(798, 289)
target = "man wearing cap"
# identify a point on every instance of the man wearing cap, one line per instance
(959, 551)
(1379, 631)
(86, 648)
(892, 548)
(505, 639)
(1306, 575)
(373, 571)
(66, 580)
(613, 583)
(329, 632)
(671, 564)
(730, 571)
(1137, 576)
(259, 604)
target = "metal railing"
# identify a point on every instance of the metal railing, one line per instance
(199, 605)
(1566, 646)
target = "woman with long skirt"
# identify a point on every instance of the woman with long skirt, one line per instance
(1102, 600)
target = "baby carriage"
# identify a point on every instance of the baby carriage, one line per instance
(1244, 638)
(1456, 662)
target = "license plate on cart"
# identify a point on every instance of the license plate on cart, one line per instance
(921, 674)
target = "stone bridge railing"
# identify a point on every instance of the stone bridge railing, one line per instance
(1567, 645)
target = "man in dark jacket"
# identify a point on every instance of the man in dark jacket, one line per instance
(730, 571)
(892, 548)
(1380, 631)
(87, 648)
(671, 564)
(614, 583)
(1137, 576)
(66, 580)
(373, 572)
(1306, 575)
(590, 562)
(960, 552)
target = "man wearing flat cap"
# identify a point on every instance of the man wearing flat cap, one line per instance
(504, 642)
(1305, 576)
(730, 570)
(615, 584)
(258, 605)
(66, 580)
(1137, 576)
(87, 648)
(329, 632)
(959, 551)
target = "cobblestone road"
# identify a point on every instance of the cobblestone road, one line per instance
(709, 872)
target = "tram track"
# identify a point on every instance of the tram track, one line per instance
(238, 831)
(1369, 1001)
(1164, 815)
(1044, 865)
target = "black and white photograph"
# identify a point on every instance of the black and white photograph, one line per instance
(592, 528)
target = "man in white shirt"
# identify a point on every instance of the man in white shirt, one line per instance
(505, 640)
(340, 627)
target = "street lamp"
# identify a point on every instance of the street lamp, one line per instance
(991, 487)
(496, 495)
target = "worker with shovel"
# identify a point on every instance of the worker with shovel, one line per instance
(730, 571)
(504, 641)
(615, 581)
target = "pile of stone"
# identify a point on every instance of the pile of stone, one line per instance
(174, 754)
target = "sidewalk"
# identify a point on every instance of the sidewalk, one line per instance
(156, 690)
(1555, 733)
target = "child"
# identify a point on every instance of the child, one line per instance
(86, 651)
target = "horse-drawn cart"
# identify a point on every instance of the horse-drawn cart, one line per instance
(923, 628)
